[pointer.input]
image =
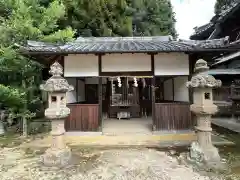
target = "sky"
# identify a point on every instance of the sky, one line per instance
(191, 13)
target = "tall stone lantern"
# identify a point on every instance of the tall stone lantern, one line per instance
(56, 86)
(203, 150)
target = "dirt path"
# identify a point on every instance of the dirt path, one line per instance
(114, 164)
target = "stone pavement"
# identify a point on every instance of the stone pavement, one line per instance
(228, 123)
(161, 140)
(135, 140)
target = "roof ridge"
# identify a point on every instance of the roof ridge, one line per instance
(129, 38)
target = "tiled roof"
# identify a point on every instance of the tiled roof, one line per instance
(198, 30)
(216, 19)
(231, 56)
(208, 44)
(123, 44)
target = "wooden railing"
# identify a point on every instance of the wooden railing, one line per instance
(83, 117)
(173, 116)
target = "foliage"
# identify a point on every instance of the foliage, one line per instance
(28, 19)
(98, 17)
(221, 5)
(153, 17)
(20, 77)
(120, 17)
(11, 97)
(39, 126)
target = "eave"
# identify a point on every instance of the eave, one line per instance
(133, 52)
(124, 45)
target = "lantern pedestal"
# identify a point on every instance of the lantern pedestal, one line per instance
(58, 154)
(203, 151)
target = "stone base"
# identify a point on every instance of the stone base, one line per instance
(207, 158)
(56, 157)
(207, 154)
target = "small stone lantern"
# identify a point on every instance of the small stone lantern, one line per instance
(203, 107)
(56, 86)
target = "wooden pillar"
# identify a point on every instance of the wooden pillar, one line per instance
(153, 103)
(100, 95)
(192, 61)
(173, 93)
(162, 90)
(153, 93)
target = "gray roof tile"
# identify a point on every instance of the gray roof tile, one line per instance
(203, 28)
(121, 45)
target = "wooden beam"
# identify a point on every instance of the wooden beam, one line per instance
(81, 79)
(129, 73)
(165, 78)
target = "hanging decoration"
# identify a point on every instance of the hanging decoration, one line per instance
(143, 82)
(112, 84)
(135, 82)
(119, 82)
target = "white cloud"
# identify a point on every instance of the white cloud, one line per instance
(192, 13)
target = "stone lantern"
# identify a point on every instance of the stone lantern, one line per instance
(56, 86)
(203, 107)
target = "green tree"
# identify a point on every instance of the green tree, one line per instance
(153, 17)
(20, 77)
(120, 17)
(221, 5)
(98, 17)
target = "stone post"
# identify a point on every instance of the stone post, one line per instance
(203, 150)
(56, 86)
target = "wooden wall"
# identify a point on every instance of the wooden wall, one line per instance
(83, 117)
(173, 116)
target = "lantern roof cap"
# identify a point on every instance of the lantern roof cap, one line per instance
(202, 80)
(56, 83)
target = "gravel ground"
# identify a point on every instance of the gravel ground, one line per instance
(115, 164)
